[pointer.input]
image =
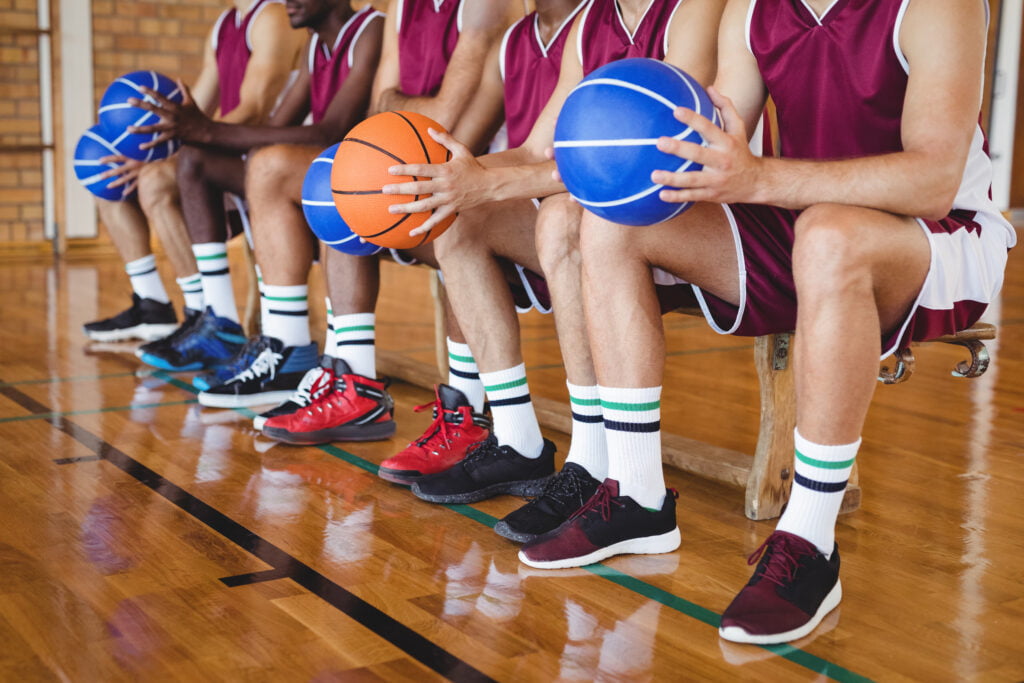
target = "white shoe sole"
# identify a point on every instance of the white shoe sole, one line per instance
(646, 545)
(146, 332)
(243, 401)
(738, 635)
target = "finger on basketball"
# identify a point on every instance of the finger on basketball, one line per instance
(423, 170)
(708, 130)
(731, 120)
(431, 222)
(684, 179)
(426, 204)
(413, 187)
(690, 151)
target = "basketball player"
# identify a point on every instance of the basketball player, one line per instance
(247, 61)
(333, 87)
(876, 219)
(431, 62)
(497, 220)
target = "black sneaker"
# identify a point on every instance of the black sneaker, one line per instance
(191, 317)
(272, 376)
(791, 591)
(488, 470)
(564, 494)
(147, 320)
(315, 382)
(609, 524)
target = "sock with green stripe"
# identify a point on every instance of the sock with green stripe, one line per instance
(286, 313)
(212, 258)
(819, 481)
(464, 375)
(330, 345)
(355, 342)
(145, 279)
(632, 423)
(515, 422)
(588, 447)
(192, 291)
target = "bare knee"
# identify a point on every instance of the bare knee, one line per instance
(603, 243)
(832, 249)
(463, 237)
(558, 234)
(269, 169)
(157, 185)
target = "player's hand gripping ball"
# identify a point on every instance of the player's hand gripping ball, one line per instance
(607, 133)
(116, 114)
(91, 147)
(361, 169)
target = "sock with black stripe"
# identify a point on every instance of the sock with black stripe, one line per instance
(515, 422)
(146, 282)
(464, 375)
(286, 313)
(632, 421)
(819, 481)
(212, 258)
(355, 342)
(588, 448)
(192, 291)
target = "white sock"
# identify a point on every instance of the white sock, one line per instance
(286, 313)
(355, 342)
(146, 282)
(192, 291)
(464, 375)
(218, 294)
(632, 421)
(588, 448)
(821, 473)
(329, 341)
(515, 422)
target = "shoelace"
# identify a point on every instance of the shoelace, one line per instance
(600, 502)
(567, 485)
(329, 399)
(782, 560)
(264, 364)
(245, 357)
(312, 386)
(439, 426)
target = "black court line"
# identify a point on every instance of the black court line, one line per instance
(72, 461)
(283, 565)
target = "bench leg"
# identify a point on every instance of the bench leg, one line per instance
(771, 474)
(440, 326)
(251, 316)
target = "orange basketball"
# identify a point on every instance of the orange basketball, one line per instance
(361, 169)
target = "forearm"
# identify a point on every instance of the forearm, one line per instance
(521, 181)
(904, 183)
(242, 138)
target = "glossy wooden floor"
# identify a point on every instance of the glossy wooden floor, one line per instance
(142, 538)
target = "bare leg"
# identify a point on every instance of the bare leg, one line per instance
(127, 227)
(203, 177)
(857, 272)
(160, 200)
(273, 187)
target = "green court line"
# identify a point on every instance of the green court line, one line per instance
(111, 409)
(631, 583)
(75, 378)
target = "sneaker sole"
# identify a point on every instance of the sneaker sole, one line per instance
(371, 432)
(525, 488)
(403, 477)
(160, 363)
(503, 529)
(646, 545)
(736, 634)
(211, 400)
(146, 332)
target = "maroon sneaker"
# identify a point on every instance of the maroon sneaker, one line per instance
(608, 524)
(791, 591)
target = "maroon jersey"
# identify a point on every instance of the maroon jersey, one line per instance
(328, 67)
(232, 45)
(428, 31)
(603, 36)
(529, 69)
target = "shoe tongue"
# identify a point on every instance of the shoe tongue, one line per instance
(273, 343)
(341, 368)
(191, 312)
(613, 487)
(327, 362)
(451, 398)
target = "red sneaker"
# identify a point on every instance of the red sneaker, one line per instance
(455, 428)
(359, 409)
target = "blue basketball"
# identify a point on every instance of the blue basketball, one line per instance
(116, 114)
(92, 147)
(322, 215)
(607, 132)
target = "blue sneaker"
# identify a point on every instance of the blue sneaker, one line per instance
(212, 340)
(273, 375)
(222, 373)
